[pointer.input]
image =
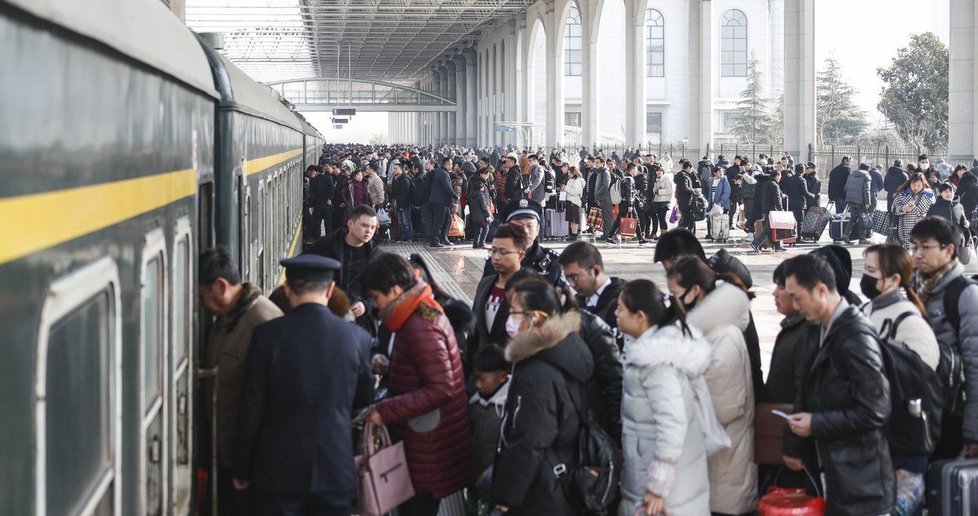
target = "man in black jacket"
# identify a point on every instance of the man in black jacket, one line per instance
(770, 200)
(403, 190)
(814, 184)
(895, 178)
(684, 196)
(844, 401)
(796, 188)
(837, 183)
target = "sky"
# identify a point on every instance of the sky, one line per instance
(865, 35)
(862, 34)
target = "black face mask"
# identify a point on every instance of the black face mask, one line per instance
(868, 285)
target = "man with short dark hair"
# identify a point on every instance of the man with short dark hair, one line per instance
(596, 291)
(305, 374)
(844, 402)
(942, 285)
(837, 183)
(770, 200)
(490, 306)
(895, 178)
(239, 308)
(440, 202)
(352, 246)
(543, 260)
(858, 190)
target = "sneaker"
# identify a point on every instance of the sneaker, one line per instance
(863, 241)
(436, 245)
(754, 247)
(643, 242)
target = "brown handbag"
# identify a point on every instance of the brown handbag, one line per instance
(629, 225)
(769, 433)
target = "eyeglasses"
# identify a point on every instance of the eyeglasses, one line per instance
(501, 252)
(914, 249)
(572, 278)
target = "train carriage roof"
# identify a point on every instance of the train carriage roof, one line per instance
(256, 97)
(144, 30)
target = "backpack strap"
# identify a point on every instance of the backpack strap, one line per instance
(890, 326)
(952, 298)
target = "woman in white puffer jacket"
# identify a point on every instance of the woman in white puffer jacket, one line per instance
(662, 438)
(720, 308)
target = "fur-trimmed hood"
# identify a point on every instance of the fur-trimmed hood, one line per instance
(668, 346)
(727, 304)
(556, 341)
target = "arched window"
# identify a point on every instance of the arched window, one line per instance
(733, 44)
(573, 43)
(655, 42)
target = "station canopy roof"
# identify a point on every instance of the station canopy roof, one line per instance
(385, 40)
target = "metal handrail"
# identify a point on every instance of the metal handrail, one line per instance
(341, 95)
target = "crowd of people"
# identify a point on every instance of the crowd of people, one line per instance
(493, 401)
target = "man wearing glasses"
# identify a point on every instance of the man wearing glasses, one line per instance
(509, 245)
(528, 214)
(951, 299)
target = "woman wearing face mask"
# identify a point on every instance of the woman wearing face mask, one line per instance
(542, 419)
(719, 307)
(662, 438)
(886, 281)
(910, 205)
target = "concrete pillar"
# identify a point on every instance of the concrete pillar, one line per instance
(701, 78)
(443, 116)
(522, 77)
(512, 88)
(963, 108)
(452, 93)
(460, 95)
(776, 10)
(634, 72)
(589, 80)
(555, 84)
(799, 77)
(471, 98)
(481, 108)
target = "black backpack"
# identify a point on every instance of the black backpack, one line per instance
(950, 369)
(698, 208)
(594, 479)
(916, 395)
(550, 181)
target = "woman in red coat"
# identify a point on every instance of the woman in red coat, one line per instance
(427, 404)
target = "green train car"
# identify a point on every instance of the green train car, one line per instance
(126, 147)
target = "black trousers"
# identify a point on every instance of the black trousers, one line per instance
(420, 505)
(660, 210)
(312, 504)
(441, 217)
(232, 501)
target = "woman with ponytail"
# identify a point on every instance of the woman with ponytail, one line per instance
(662, 434)
(887, 283)
(542, 419)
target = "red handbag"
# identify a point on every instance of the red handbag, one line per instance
(783, 501)
(629, 225)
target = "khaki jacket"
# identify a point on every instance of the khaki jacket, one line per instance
(227, 349)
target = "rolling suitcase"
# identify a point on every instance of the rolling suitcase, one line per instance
(952, 487)
(557, 226)
(839, 226)
(720, 228)
(815, 221)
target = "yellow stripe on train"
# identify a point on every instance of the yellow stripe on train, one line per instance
(257, 165)
(30, 223)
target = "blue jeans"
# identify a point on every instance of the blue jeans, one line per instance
(840, 205)
(404, 223)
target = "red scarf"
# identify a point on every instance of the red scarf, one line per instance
(400, 310)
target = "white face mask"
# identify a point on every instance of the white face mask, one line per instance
(512, 326)
(924, 166)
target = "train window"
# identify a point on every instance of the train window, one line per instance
(181, 299)
(77, 388)
(152, 329)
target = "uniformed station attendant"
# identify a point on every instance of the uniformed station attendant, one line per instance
(305, 373)
(529, 214)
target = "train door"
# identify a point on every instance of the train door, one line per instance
(260, 237)
(153, 397)
(180, 367)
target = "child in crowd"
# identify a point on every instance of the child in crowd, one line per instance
(486, 408)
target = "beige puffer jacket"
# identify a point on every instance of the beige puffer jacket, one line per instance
(722, 316)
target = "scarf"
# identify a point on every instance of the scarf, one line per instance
(400, 310)
(249, 293)
(927, 284)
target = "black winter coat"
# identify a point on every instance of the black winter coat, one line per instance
(837, 182)
(541, 423)
(796, 188)
(321, 191)
(770, 198)
(848, 395)
(684, 190)
(478, 199)
(814, 187)
(403, 189)
(605, 385)
(968, 193)
(514, 185)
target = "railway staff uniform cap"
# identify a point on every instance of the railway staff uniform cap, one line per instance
(310, 267)
(523, 208)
